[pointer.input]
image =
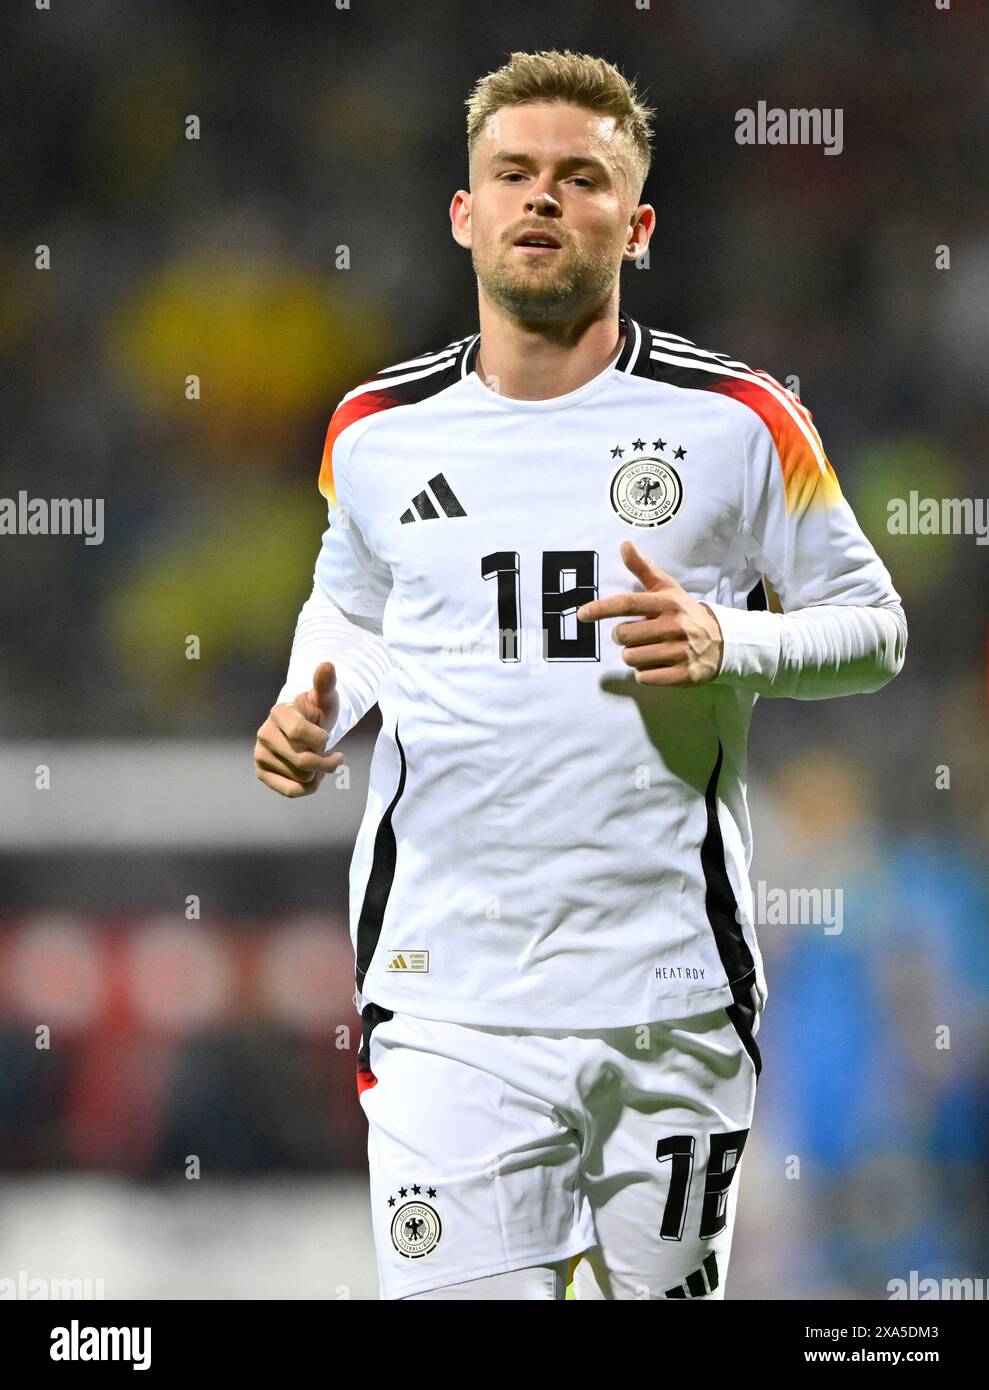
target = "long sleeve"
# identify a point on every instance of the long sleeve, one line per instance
(842, 630)
(324, 632)
(341, 621)
(814, 654)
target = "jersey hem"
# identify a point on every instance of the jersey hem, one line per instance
(454, 1011)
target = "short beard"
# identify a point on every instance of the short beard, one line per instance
(584, 281)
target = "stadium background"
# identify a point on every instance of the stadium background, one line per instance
(232, 1036)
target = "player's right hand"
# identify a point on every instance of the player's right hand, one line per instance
(288, 754)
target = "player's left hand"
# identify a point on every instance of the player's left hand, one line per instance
(676, 640)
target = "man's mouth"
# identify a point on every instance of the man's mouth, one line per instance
(537, 243)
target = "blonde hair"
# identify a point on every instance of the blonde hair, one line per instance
(575, 78)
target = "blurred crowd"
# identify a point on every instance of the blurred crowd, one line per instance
(301, 242)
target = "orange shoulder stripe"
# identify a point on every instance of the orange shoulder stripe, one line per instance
(367, 403)
(808, 478)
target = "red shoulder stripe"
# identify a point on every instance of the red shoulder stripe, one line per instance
(797, 443)
(367, 403)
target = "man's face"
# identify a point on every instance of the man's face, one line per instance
(563, 172)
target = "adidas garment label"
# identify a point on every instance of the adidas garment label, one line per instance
(563, 846)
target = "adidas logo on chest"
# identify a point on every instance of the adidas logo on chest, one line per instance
(436, 494)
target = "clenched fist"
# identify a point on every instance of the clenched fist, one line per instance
(288, 754)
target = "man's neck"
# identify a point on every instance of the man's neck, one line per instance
(538, 363)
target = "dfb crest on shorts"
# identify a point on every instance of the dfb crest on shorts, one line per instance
(646, 492)
(416, 1230)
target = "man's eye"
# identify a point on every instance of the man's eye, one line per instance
(577, 178)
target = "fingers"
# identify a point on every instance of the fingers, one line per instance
(324, 683)
(287, 786)
(661, 591)
(274, 756)
(288, 753)
(642, 605)
(644, 570)
(296, 728)
(666, 654)
(284, 775)
(648, 631)
(667, 675)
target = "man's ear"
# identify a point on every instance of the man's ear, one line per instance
(460, 217)
(644, 213)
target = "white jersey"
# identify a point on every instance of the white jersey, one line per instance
(548, 843)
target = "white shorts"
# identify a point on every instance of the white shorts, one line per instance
(496, 1149)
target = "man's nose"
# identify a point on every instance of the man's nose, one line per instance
(543, 203)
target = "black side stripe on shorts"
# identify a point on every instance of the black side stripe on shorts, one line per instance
(379, 880)
(757, 600)
(741, 1016)
(371, 1016)
(722, 907)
